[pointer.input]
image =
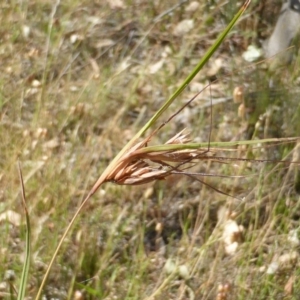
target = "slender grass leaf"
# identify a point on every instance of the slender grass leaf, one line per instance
(25, 272)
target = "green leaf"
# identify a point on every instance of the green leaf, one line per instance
(89, 290)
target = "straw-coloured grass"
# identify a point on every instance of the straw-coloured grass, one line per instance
(100, 91)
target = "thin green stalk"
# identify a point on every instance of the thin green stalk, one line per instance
(196, 70)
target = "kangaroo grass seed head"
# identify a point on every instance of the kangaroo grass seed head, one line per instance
(142, 164)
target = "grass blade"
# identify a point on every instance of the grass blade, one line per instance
(181, 88)
(196, 70)
(22, 289)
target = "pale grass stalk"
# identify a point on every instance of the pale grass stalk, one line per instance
(162, 286)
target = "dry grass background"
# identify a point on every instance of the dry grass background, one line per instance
(78, 79)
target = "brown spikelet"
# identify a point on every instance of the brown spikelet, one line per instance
(137, 166)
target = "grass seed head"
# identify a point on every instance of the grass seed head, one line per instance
(139, 165)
